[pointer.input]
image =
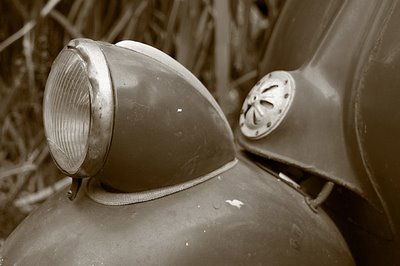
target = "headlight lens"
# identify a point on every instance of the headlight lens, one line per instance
(67, 110)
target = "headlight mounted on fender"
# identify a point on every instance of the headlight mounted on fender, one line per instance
(133, 117)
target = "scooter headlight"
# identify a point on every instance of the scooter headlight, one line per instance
(133, 118)
(78, 109)
(67, 111)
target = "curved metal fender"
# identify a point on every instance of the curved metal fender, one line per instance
(243, 216)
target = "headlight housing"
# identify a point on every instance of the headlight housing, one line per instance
(132, 117)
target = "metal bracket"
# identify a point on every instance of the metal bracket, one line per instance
(75, 186)
(322, 196)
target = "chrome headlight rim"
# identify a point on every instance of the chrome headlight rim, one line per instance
(102, 106)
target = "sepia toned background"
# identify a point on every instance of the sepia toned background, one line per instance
(222, 42)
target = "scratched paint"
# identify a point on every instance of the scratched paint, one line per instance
(235, 203)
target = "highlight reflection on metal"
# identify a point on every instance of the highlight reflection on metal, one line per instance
(267, 104)
(176, 66)
(102, 105)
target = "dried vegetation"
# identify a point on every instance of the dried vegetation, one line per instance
(222, 42)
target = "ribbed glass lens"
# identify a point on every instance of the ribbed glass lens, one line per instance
(67, 111)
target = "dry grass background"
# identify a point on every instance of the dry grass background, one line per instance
(222, 42)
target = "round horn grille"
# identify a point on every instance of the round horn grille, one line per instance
(267, 104)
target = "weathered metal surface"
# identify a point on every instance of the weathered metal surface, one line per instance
(378, 116)
(298, 33)
(165, 131)
(244, 216)
(342, 126)
(320, 124)
(344, 121)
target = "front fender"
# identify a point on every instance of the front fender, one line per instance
(243, 216)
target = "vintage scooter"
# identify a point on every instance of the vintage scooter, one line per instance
(158, 179)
